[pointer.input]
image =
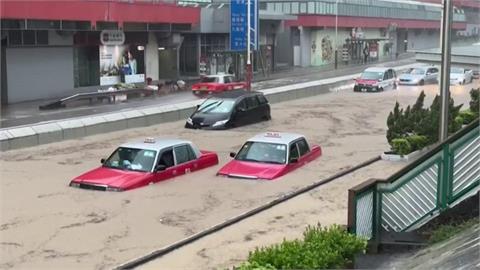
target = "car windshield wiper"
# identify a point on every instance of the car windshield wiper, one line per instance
(250, 159)
(112, 167)
(201, 109)
(271, 161)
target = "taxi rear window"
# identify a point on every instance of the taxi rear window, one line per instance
(209, 79)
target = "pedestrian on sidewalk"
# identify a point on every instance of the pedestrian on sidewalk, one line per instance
(365, 54)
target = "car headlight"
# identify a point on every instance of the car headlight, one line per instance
(74, 184)
(189, 121)
(219, 123)
(115, 189)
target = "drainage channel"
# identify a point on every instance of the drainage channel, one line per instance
(165, 250)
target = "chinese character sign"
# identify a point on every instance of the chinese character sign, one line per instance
(238, 24)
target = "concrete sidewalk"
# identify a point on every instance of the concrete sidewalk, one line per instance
(28, 113)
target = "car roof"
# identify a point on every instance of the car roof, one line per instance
(377, 69)
(276, 137)
(234, 94)
(155, 144)
(218, 75)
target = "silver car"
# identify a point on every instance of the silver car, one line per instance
(460, 75)
(419, 76)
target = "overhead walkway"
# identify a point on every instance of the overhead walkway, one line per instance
(386, 210)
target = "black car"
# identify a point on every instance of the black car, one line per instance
(230, 109)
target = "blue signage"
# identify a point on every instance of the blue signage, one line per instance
(238, 25)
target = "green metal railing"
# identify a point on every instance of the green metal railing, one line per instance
(438, 180)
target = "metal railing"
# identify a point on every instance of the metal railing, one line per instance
(438, 180)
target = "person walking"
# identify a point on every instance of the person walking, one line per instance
(365, 54)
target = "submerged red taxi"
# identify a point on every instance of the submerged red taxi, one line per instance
(138, 164)
(269, 156)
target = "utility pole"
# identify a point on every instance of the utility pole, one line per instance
(249, 61)
(445, 74)
(336, 34)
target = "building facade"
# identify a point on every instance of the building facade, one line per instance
(52, 49)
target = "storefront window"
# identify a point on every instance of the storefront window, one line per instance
(86, 66)
(189, 55)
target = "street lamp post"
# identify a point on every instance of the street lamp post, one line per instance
(249, 62)
(445, 70)
(336, 34)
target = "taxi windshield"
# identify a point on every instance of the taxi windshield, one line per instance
(456, 70)
(209, 80)
(216, 106)
(417, 71)
(263, 152)
(370, 75)
(131, 159)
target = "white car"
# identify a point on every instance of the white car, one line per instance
(460, 75)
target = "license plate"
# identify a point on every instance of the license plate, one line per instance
(204, 88)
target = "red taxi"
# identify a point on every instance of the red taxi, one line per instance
(269, 156)
(138, 164)
(217, 83)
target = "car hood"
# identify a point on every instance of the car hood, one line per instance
(111, 177)
(252, 170)
(208, 118)
(411, 77)
(367, 82)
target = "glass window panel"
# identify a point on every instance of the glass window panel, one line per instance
(29, 37)
(295, 8)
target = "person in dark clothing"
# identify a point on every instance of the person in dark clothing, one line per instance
(365, 54)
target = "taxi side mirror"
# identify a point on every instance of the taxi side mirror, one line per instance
(102, 160)
(160, 167)
(232, 154)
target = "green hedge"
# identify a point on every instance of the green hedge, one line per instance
(321, 248)
(417, 142)
(467, 116)
(401, 146)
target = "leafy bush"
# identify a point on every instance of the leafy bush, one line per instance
(254, 266)
(417, 142)
(467, 116)
(401, 146)
(321, 248)
(416, 120)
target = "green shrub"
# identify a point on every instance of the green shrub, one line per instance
(321, 248)
(417, 142)
(467, 116)
(401, 146)
(254, 266)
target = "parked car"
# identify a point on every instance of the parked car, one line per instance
(230, 109)
(419, 76)
(460, 75)
(269, 156)
(376, 79)
(217, 83)
(138, 164)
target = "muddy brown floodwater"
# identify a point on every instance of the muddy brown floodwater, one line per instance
(46, 224)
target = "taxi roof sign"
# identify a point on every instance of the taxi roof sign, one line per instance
(149, 140)
(273, 134)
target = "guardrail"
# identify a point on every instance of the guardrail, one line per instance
(438, 180)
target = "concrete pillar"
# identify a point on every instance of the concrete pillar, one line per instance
(151, 57)
(305, 46)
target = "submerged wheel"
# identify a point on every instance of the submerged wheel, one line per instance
(422, 82)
